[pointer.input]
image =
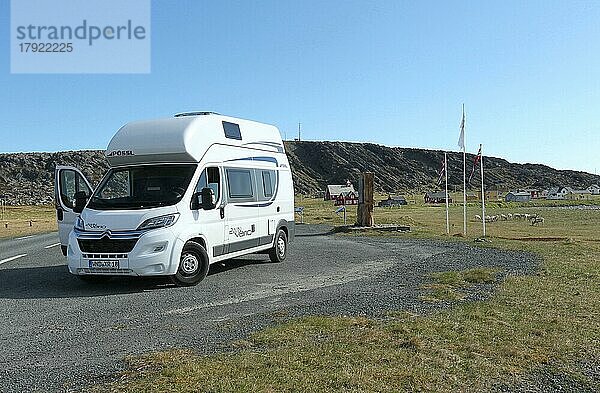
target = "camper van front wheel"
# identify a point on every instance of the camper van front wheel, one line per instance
(279, 250)
(193, 265)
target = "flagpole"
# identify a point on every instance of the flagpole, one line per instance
(482, 190)
(464, 176)
(446, 173)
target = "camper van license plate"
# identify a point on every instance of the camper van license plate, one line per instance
(110, 264)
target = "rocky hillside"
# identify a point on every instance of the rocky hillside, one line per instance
(27, 178)
(316, 164)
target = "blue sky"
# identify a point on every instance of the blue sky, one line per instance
(389, 72)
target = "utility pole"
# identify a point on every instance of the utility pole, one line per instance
(299, 131)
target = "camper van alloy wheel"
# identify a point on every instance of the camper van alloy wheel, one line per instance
(279, 250)
(193, 265)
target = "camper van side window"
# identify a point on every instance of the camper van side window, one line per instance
(268, 178)
(239, 182)
(210, 178)
(70, 183)
(232, 130)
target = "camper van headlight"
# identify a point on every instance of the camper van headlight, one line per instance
(159, 222)
(79, 224)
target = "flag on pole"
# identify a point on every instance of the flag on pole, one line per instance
(441, 173)
(475, 163)
(461, 144)
(461, 138)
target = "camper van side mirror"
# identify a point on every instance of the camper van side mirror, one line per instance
(207, 199)
(80, 201)
(196, 203)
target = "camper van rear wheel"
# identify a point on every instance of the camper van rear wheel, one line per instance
(193, 265)
(279, 250)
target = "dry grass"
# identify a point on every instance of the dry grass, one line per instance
(27, 220)
(531, 321)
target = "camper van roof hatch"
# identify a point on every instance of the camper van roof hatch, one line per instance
(184, 114)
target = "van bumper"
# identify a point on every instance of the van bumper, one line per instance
(151, 255)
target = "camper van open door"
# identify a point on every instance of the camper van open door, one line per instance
(68, 181)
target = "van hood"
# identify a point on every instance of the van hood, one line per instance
(121, 220)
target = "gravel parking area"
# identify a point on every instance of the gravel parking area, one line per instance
(60, 334)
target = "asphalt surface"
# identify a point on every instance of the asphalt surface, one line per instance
(58, 333)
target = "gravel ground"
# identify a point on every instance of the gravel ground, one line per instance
(59, 334)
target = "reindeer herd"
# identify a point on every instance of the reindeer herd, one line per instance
(534, 219)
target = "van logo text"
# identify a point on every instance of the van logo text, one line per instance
(120, 153)
(239, 232)
(94, 226)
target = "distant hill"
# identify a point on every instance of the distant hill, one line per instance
(399, 169)
(27, 178)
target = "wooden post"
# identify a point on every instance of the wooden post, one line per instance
(364, 213)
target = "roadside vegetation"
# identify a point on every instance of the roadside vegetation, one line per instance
(27, 220)
(544, 321)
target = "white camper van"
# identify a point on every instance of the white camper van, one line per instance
(181, 193)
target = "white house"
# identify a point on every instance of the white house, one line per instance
(594, 189)
(557, 193)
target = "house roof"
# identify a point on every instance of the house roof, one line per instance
(337, 189)
(519, 193)
(553, 190)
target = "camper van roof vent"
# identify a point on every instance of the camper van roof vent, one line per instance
(184, 114)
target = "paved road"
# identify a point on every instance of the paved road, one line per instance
(57, 333)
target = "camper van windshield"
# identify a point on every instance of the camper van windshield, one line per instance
(142, 187)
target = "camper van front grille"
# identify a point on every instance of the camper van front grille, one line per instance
(106, 245)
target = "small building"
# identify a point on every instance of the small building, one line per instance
(557, 193)
(398, 200)
(533, 192)
(578, 195)
(473, 197)
(349, 198)
(493, 195)
(594, 189)
(517, 196)
(335, 190)
(436, 197)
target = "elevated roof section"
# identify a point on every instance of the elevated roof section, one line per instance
(187, 137)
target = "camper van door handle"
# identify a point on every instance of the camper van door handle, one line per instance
(222, 210)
